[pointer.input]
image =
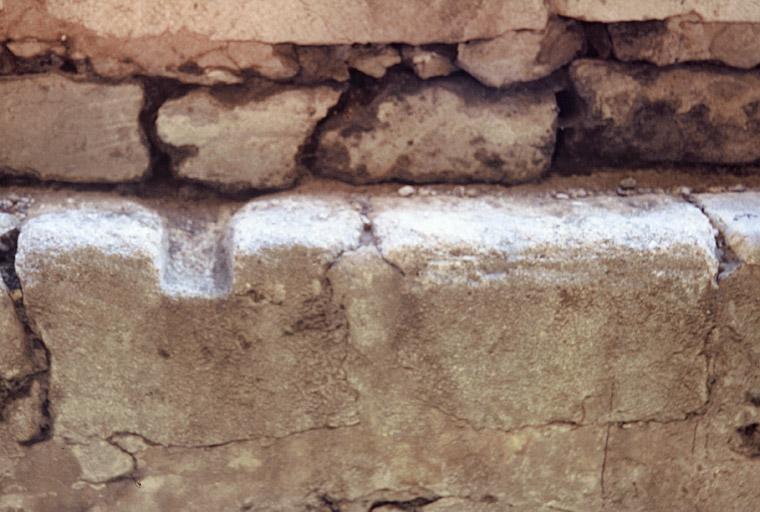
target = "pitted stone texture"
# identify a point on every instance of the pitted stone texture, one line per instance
(522, 55)
(496, 294)
(624, 10)
(687, 38)
(55, 128)
(449, 129)
(252, 144)
(643, 113)
(263, 360)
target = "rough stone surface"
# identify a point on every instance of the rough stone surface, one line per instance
(642, 113)
(89, 131)
(271, 342)
(253, 143)
(641, 10)
(428, 63)
(522, 55)
(708, 462)
(447, 129)
(559, 270)
(736, 215)
(687, 38)
(210, 43)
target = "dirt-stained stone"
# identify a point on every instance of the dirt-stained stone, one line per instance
(624, 10)
(448, 129)
(319, 63)
(522, 55)
(643, 113)
(90, 132)
(253, 143)
(687, 38)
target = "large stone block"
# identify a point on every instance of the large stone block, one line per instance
(522, 55)
(261, 356)
(222, 41)
(687, 38)
(448, 129)
(253, 143)
(642, 113)
(495, 295)
(624, 10)
(56, 128)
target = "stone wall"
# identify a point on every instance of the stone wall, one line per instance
(494, 255)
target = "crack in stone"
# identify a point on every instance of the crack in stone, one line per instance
(38, 351)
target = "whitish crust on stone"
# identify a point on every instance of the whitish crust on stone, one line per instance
(738, 218)
(90, 132)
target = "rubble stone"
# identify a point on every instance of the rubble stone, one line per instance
(448, 129)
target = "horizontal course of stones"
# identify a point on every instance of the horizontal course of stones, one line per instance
(438, 352)
(462, 91)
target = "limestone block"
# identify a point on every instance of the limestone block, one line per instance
(642, 113)
(687, 38)
(522, 55)
(139, 353)
(200, 42)
(624, 10)
(55, 128)
(495, 295)
(449, 129)
(251, 144)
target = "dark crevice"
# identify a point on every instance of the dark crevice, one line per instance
(728, 261)
(414, 505)
(37, 351)
(163, 158)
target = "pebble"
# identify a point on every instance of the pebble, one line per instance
(628, 183)
(406, 191)
(737, 188)
(561, 195)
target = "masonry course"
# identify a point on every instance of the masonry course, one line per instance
(379, 256)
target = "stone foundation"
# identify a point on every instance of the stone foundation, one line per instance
(401, 256)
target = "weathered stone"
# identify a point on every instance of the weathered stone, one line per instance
(374, 61)
(522, 55)
(253, 143)
(428, 63)
(89, 131)
(22, 417)
(101, 461)
(449, 129)
(199, 43)
(708, 462)
(557, 466)
(16, 361)
(641, 10)
(642, 113)
(266, 351)
(27, 49)
(291, 21)
(558, 278)
(687, 38)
